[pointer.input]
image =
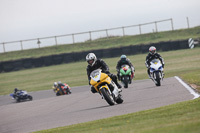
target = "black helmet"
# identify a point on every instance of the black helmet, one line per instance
(15, 89)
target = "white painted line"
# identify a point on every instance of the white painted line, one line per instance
(196, 95)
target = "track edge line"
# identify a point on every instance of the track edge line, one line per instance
(191, 90)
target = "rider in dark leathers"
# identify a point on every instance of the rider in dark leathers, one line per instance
(16, 92)
(124, 60)
(152, 55)
(93, 64)
(62, 86)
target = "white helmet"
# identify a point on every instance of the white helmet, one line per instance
(152, 50)
(91, 59)
(55, 84)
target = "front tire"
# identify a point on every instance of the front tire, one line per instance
(157, 74)
(125, 81)
(30, 98)
(108, 97)
(125, 85)
(17, 99)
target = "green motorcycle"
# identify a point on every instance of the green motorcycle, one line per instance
(125, 75)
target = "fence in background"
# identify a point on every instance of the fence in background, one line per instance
(28, 63)
(86, 36)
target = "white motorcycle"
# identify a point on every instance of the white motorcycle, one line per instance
(156, 71)
(21, 96)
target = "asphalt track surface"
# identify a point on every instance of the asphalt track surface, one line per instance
(48, 111)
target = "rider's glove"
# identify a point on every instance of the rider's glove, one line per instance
(107, 72)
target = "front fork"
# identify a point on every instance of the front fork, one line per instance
(153, 75)
(115, 91)
(105, 86)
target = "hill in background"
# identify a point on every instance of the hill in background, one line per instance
(104, 43)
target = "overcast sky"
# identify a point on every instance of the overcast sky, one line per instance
(29, 19)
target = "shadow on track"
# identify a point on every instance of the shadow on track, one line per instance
(93, 108)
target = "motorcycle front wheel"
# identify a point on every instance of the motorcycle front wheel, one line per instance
(107, 96)
(125, 81)
(157, 74)
(30, 98)
(18, 99)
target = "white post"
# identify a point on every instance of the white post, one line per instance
(21, 45)
(188, 22)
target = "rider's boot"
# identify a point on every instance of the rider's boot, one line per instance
(163, 74)
(118, 85)
(118, 76)
(114, 78)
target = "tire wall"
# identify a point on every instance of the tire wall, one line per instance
(15, 65)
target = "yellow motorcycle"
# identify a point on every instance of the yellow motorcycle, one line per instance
(105, 87)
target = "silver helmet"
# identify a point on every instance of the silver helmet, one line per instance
(91, 59)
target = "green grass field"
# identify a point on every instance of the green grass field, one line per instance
(183, 63)
(104, 43)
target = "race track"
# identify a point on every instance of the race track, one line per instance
(49, 111)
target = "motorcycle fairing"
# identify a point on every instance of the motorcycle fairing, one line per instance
(98, 78)
(156, 66)
(125, 70)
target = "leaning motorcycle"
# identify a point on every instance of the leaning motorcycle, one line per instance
(104, 85)
(156, 71)
(21, 96)
(125, 75)
(62, 90)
